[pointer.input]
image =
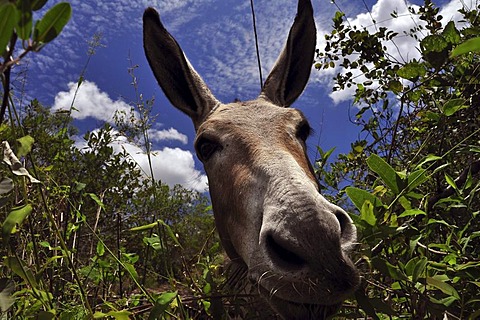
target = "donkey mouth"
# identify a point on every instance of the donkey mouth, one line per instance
(294, 310)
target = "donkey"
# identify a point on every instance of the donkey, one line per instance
(268, 210)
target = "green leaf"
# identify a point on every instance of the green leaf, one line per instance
(386, 173)
(412, 71)
(359, 196)
(451, 181)
(52, 23)
(443, 286)
(166, 297)
(388, 269)
(144, 227)
(471, 45)
(8, 20)
(14, 219)
(95, 198)
(416, 178)
(45, 315)
(452, 106)
(38, 4)
(419, 268)
(25, 147)
(433, 43)
(99, 315)
(367, 214)
(395, 86)
(155, 224)
(153, 242)
(131, 270)
(24, 25)
(451, 34)
(427, 159)
(161, 304)
(100, 248)
(119, 315)
(412, 212)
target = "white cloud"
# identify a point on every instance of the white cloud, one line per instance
(171, 166)
(403, 47)
(156, 135)
(90, 102)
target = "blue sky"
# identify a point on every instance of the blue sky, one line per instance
(217, 37)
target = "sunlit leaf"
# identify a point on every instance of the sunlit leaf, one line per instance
(367, 214)
(359, 196)
(52, 23)
(144, 227)
(131, 270)
(471, 45)
(451, 34)
(386, 173)
(119, 315)
(453, 105)
(412, 71)
(166, 297)
(97, 200)
(153, 242)
(25, 145)
(100, 248)
(451, 181)
(412, 212)
(433, 43)
(161, 304)
(14, 219)
(428, 159)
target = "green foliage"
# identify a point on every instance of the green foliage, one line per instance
(91, 236)
(85, 234)
(414, 177)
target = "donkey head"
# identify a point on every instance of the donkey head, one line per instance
(268, 210)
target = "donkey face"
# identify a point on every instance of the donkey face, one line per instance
(268, 209)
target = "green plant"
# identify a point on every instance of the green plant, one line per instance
(413, 178)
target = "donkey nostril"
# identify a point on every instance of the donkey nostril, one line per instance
(342, 219)
(282, 254)
(347, 229)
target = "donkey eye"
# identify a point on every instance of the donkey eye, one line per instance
(206, 148)
(303, 130)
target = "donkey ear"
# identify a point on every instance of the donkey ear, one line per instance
(179, 81)
(292, 69)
